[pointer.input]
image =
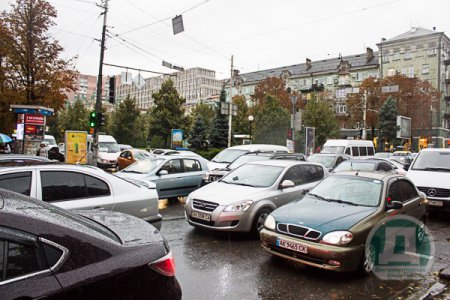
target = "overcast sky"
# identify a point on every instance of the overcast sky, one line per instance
(261, 34)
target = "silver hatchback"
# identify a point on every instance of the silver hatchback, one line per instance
(242, 199)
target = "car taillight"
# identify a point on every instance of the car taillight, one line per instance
(164, 265)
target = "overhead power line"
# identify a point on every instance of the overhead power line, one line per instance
(136, 69)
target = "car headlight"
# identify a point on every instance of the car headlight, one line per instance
(241, 206)
(269, 223)
(205, 176)
(102, 160)
(338, 237)
(188, 199)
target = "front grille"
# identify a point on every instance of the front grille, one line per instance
(214, 177)
(442, 193)
(204, 205)
(299, 231)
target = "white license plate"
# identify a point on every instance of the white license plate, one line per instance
(201, 216)
(435, 203)
(292, 246)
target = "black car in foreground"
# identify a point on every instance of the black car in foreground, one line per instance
(49, 252)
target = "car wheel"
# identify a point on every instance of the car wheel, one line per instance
(368, 261)
(258, 221)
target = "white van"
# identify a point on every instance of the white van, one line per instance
(50, 141)
(228, 155)
(358, 148)
(108, 151)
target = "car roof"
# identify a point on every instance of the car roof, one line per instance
(435, 149)
(281, 162)
(91, 169)
(259, 147)
(367, 174)
(22, 156)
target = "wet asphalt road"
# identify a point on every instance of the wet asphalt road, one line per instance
(214, 265)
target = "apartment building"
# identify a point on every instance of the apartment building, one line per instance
(86, 90)
(418, 52)
(194, 85)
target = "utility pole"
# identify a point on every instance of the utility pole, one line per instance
(364, 135)
(98, 102)
(230, 109)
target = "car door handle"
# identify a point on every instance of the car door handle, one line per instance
(99, 207)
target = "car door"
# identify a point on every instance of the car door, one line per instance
(192, 175)
(74, 190)
(412, 205)
(24, 267)
(171, 184)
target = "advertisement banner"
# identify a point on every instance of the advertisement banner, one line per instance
(177, 138)
(76, 147)
(35, 119)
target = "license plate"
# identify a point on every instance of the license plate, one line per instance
(292, 246)
(201, 216)
(435, 203)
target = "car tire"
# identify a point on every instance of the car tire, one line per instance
(258, 221)
(368, 260)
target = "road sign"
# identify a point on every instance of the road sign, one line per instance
(225, 108)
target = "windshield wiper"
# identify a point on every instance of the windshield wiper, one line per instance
(317, 196)
(128, 171)
(342, 201)
(244, 184)
(437, 169)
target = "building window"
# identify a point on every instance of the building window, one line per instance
(330, 80)
(396, 56)
(425, 69)
(386, 59)
(411, 72)
(432, 49)
(404, 71)
(408, 54)
(359, 77)
(341, 93)
(341, 108)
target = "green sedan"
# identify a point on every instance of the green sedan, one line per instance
(329, 226)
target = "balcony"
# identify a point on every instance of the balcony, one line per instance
(447, 98)
(316, 87)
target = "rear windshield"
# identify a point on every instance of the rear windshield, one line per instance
(325, 160)
(355, 166)
(245, 159)
(228, 155)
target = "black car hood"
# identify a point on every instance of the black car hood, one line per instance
(130, 230)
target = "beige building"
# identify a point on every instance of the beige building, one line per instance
(194, 85)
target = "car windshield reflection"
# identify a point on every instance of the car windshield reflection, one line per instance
(350, 190)
(145, 166)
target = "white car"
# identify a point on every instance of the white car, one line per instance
(84, 187)
(430, 172)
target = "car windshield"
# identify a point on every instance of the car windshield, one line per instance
(383, 154)
(349, 189)
(145, 166)
(111, 147)
(333, 149)
(432, 161)
(50, 141)
(139, 155)
(325, 160)
(355, 166)
(228, 155)
(254, 175)
(245, 159)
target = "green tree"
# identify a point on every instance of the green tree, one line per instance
(124, 121)
(271, 123)
(318, 114)
(219, 134)
(240, 121)
(388, 121)
(74, 117)
(168, 113)
(198, 134)
(206, 112)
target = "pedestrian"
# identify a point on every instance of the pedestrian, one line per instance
(5, 148)
(43, 150)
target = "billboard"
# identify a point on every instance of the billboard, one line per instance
(76, 147)
(177, 138)
(403, 127)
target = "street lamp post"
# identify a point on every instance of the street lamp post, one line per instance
(250, 120)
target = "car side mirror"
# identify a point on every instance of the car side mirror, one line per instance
(163, 172)
(394, 205)
(287, 184)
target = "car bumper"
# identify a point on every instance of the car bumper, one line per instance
(105, 166)
(221, 221)
(438, 204)
(318, 255)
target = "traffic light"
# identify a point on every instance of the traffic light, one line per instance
(93, 119)
(112, 89)
(101, 119)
